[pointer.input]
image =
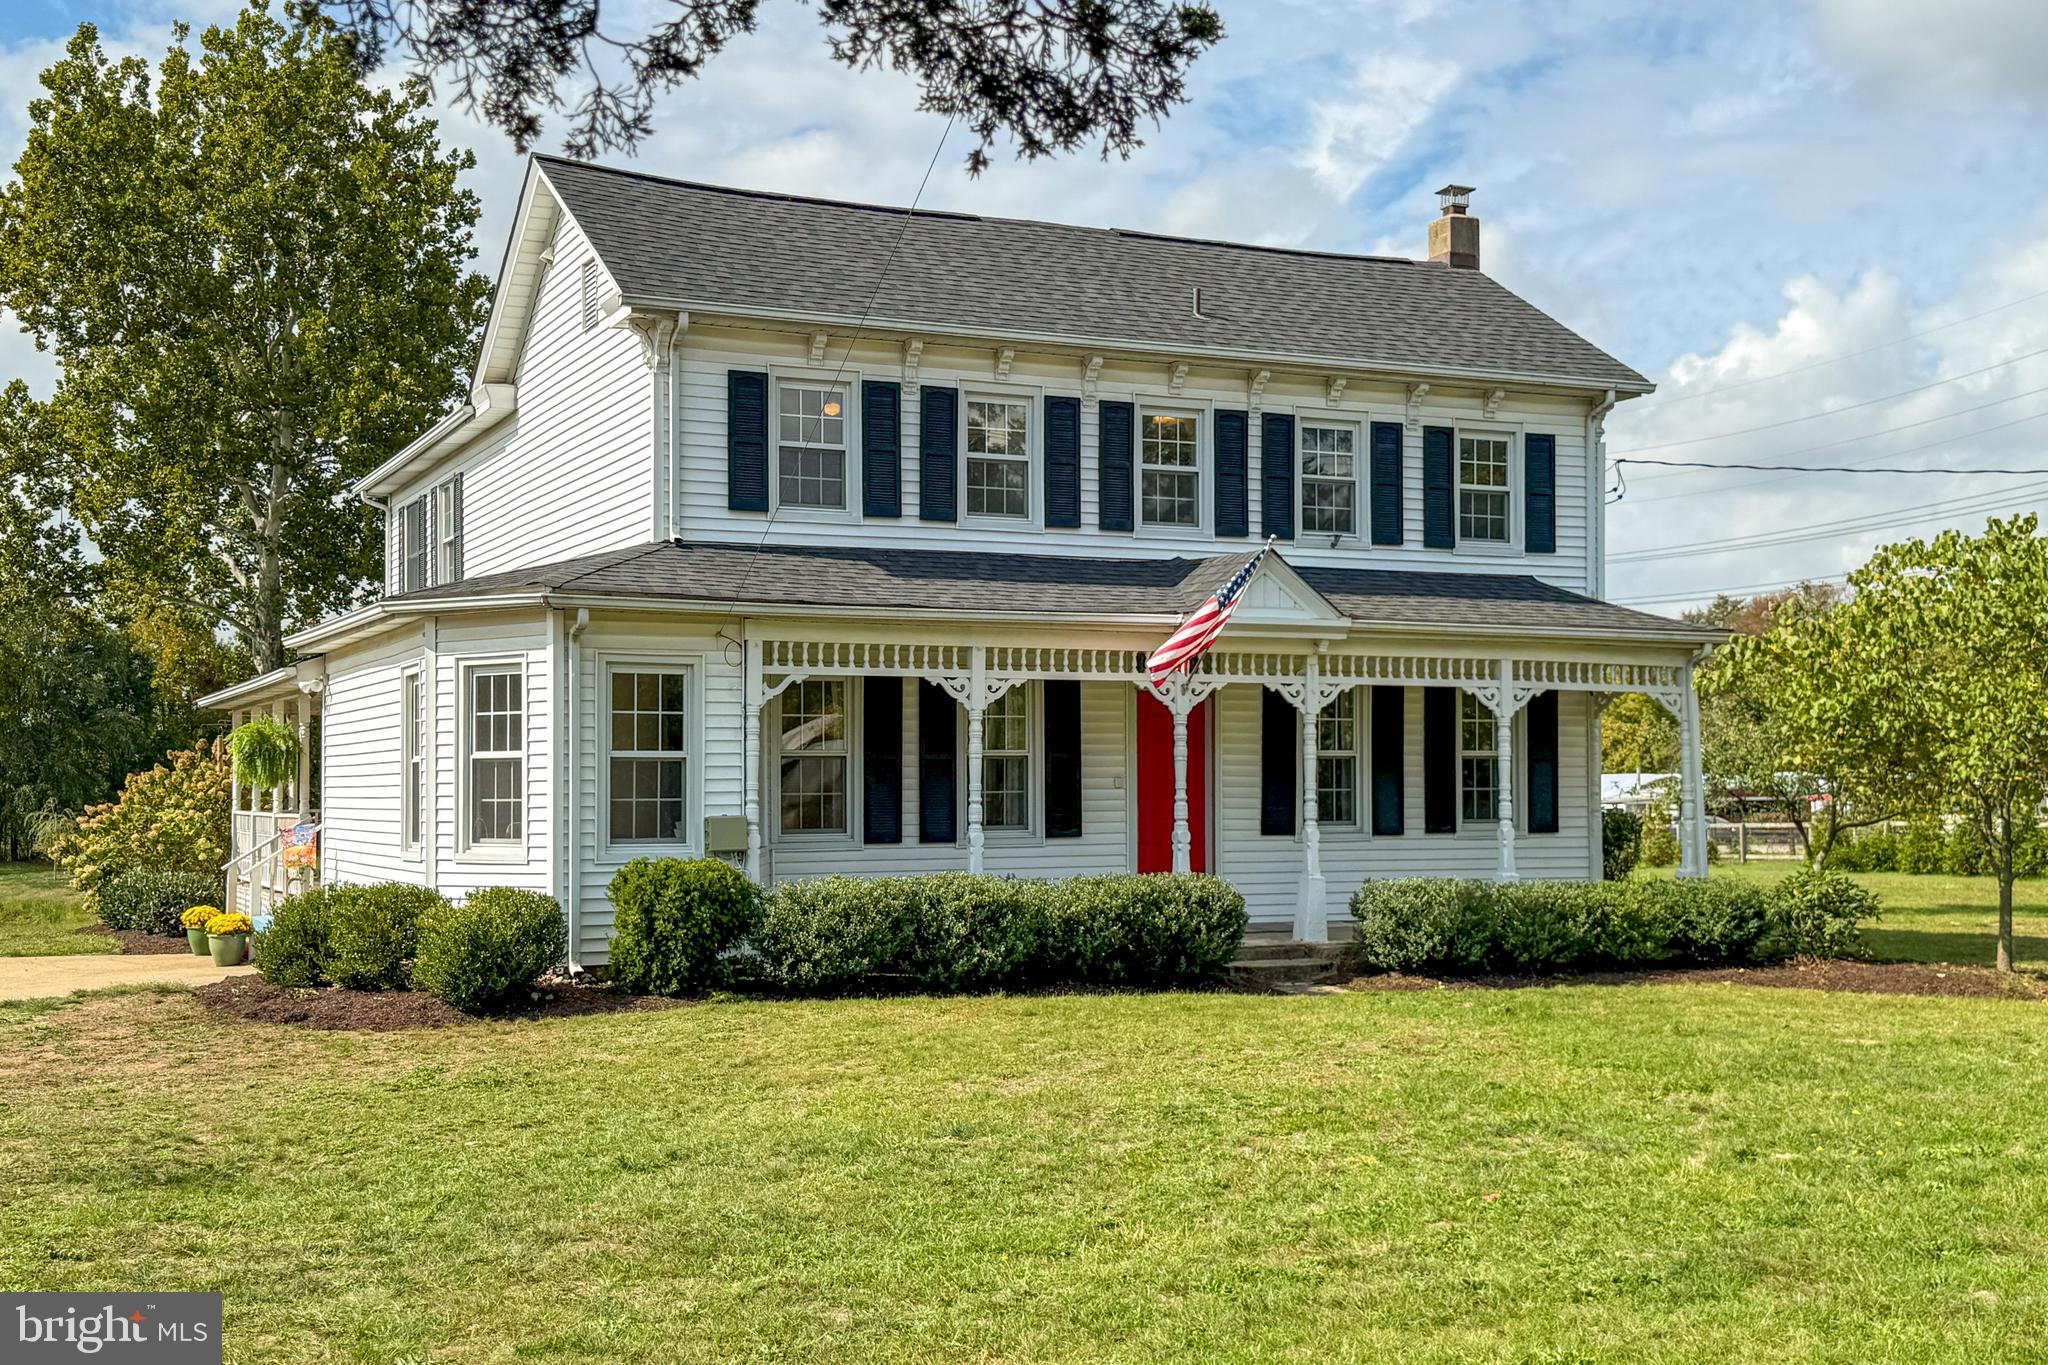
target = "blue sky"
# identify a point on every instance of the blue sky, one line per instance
(1718, 194)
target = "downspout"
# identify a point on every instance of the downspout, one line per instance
(1596, 494)
(572, 788)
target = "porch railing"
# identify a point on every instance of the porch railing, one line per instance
(259, 876)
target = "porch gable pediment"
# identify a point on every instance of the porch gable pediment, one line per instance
(1277, 596)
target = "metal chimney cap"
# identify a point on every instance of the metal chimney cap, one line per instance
(1454, 198)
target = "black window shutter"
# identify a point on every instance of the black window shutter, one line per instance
(1439, 490)
(1539, 483)
(1389, 754)
(881, 760)
(938, 728)
(1062, 758)
(1276, 475)
(1387, 512)
(938, 440)
(1440, 760)
(1233, 493)
(881, 448)
(1113, 454)
(1062, 462)
(1541, 742)
(746, 441)
(1279, 750)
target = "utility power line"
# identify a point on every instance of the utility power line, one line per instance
(1703, 593)
(1831, 412)
(1873, 521)
(1828, 468)
(1660, 401)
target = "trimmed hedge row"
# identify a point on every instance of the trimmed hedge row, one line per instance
(150, 900)
(1925, 848)
(477, 956)
(955, 931)
(1448, 926)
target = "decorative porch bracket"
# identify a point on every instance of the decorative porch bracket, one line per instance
(1181, 693)
(976, 690)
(759, 692)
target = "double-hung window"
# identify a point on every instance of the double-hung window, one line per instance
(998, 458)
(413, 744)
(1329, 479)
(1170, 469)
(649, 744)
(448, 531)
(412, 545)
(1483, 494)
(810, 452)
(814, 770)
(1337, 760)
(1478, 760)
(1006, 761)
(497, 755)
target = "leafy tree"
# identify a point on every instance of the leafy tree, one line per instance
(1638, 736)
(1936, 670)
(252, 268)
(1050, 74)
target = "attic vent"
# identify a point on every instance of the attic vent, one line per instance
(591, 303)
(1195, 303)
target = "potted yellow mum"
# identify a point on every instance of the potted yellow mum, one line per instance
(229, 936)
(194, 921)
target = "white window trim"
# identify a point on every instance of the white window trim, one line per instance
(467, 848)
(1034, 455)
(850, 379)
(1360, 424)
(1204, 413)
(413, 693)
(1033, 831)
(691, 666)
(1512, 546)
(771, 737)
(1361, 752)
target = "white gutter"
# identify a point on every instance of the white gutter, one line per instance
(488, 405)
(709, 311)
(1596, 491)
(572, 893)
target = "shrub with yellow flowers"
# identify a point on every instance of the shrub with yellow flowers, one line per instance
(234, 922)
(198, 916)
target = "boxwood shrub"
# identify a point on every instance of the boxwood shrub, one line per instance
(956, 931)
(150, 901)
(487, 952)
(373, 932)
(675, 920)
(1448, 926)
(293, 950)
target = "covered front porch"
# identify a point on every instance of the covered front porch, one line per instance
(1362, 715)
(273, 832)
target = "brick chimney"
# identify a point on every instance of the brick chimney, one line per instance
(1454, 236)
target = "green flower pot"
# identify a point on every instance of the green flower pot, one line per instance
(229, 950)
(197, 938)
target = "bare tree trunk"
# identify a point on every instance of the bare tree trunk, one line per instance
(2004, 847)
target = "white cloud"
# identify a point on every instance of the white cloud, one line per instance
(1967, 48)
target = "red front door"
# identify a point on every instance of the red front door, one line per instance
(1155, 786)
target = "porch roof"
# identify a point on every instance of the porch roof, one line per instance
(999, 584)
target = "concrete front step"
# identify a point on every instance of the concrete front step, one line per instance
(1273, 963)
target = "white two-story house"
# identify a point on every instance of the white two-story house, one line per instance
(833, 538)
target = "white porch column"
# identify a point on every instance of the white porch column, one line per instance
(1311, 902)
(977, 702)
(237, 845)
(305, 778)
(1183, 837)
(1504, 767)
(1692, 824)
(751, 702)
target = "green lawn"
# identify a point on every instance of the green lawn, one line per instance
(40, 914)
(1580, 1173)
(1941, 919)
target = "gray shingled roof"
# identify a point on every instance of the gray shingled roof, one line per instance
(1042, 585)
(702, 246)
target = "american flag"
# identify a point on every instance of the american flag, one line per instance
(1199, 631)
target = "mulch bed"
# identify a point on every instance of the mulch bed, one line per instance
(256, 1000)
(1813, 974)
(135, 941)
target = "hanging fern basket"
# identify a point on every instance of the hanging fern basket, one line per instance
(266, 753)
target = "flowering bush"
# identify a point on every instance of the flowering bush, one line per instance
(234, 922)
(172, 819)
(198, 915)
